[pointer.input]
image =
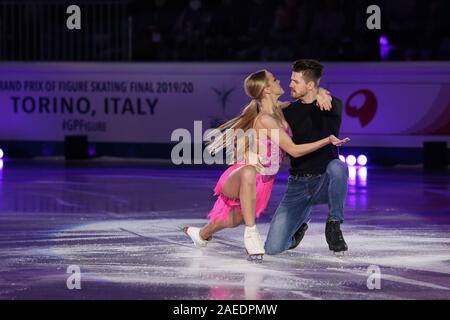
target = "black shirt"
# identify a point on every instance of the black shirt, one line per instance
(309, 124)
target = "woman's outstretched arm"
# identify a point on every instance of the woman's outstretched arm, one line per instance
(286, 143)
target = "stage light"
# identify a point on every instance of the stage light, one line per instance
(1, 154)
(362, 173)
(384, 41)
(1, 164)
(385, 48)
(361, 160)
(362, 176)
(352, 176)
(351, 160)
(342, 158)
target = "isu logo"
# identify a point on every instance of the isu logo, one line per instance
(364, 109)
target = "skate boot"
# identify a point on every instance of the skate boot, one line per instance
(194, 234)
(298, 235)
(253, 244)
(334, 237)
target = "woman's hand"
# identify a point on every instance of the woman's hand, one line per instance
(337, 142)
(283, 104)
(324, 100)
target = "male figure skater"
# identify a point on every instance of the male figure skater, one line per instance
(319, 177)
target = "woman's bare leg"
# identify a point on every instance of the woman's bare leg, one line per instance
(234, 220)
(247, 194)
(247, 197)
(241, 184)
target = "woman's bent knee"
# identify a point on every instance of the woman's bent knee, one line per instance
(248, 174)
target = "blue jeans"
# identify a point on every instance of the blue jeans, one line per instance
(301, 194)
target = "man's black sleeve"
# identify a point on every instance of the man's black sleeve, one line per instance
(335, 116)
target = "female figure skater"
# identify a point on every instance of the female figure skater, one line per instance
(244, 189)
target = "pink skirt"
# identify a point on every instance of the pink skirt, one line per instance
(224, 205)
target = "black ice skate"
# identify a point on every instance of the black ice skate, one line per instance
(298, 235)
(334, 237)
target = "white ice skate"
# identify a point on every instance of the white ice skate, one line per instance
(253, 244)
(194, 234)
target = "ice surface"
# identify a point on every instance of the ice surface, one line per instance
(120, 225)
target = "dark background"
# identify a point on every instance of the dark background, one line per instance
(224, 30)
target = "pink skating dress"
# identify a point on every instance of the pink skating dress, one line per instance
(264, 183)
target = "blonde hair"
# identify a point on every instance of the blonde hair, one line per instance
(254, 85)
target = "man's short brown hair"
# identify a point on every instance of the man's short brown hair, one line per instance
(311, 70)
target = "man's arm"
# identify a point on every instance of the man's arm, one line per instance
(335, 116)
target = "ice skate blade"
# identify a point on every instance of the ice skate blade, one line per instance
(338, 253)
(255, 258)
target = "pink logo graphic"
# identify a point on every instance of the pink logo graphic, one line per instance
(366, 110)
